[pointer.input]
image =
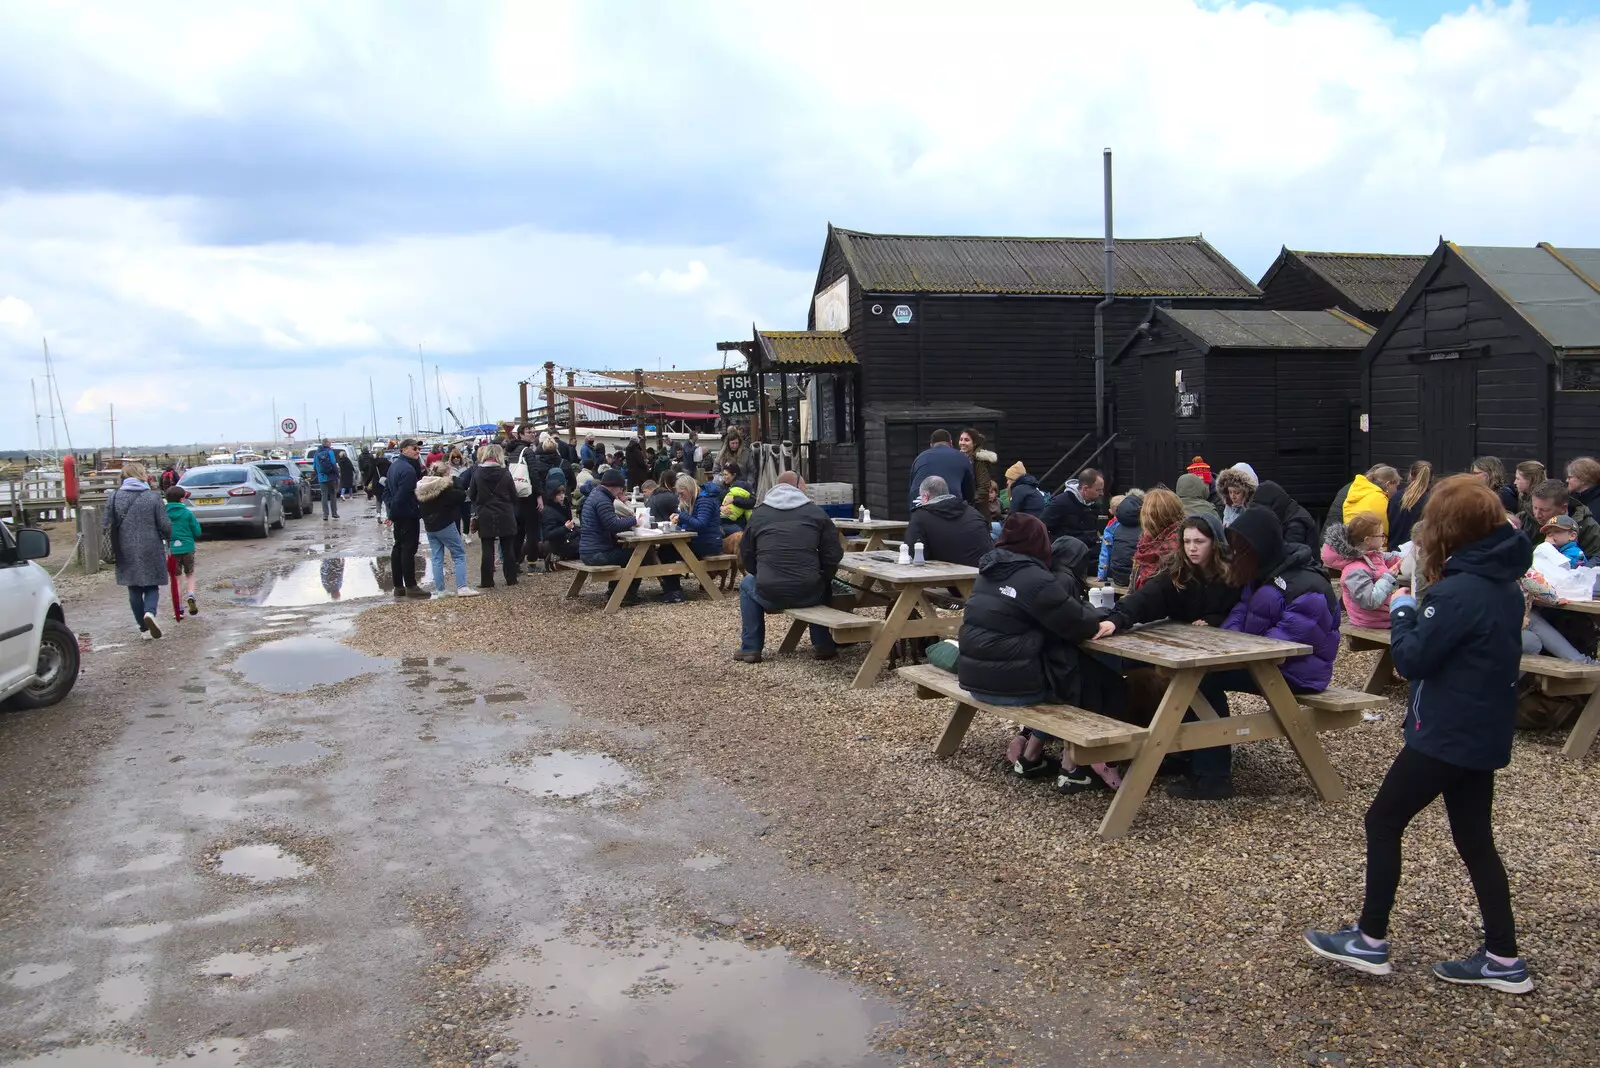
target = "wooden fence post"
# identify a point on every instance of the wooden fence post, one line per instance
(89, 538)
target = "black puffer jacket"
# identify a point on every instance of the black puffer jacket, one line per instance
(1069, 515)
(1124, 540)
(1160, 599)
(1298, 526)
(1020, 632)
(494, 501)
(553, 525)
(1027, 498)
(951, 531)
(442, 507)
(792, 548)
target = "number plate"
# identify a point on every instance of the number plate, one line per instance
(205, 501)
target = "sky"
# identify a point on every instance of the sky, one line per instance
(209, 209)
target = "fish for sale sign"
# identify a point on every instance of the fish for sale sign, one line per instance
(738, 395)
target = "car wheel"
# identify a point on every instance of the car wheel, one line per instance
(279, 524)
(266, 525)
(57, 670)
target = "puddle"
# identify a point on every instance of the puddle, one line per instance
(121, 996)
(218, 1053)
(227, 966)
(139, 932)
(503, 698)
(678, 1001)
(320, 581)
(708, 862)
(209, 805)
(263, 863)
(291, 665)
(564, 774)
(28, 976)
(286, 754)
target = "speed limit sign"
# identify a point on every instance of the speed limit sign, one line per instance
(290, 426)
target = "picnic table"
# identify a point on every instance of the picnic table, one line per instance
(1556, 677)
(645, 562)
(910, 615)
(1185, 653)
(875, 530)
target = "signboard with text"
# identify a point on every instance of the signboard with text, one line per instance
(738, 395)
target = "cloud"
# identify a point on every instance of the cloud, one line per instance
(281, 199)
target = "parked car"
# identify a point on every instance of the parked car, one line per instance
(234, 495)
(38, 654)
(285, 475)
(308, 474)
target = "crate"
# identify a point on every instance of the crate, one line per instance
(831, 492)
(839, 511)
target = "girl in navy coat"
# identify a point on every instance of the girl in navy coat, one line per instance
(1460, 649)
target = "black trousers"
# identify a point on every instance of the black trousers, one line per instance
(1413, 781)
(508, 560)
(403, 558)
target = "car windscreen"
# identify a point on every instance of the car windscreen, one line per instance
(214, 476)
(277, 470)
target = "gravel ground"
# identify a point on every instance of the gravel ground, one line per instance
(1184, 936)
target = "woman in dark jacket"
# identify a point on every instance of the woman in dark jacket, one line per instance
(1194, 589)
(494, 513)
(1294, 521)
(699, 511)
(1019, 641)
(1461, 654)
(1026, 496)
(634, 464)
(555, 521)
(1405, 508)
(347, 475)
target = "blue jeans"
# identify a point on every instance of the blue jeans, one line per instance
(440, 540)
(144, 599)
(330, 499)
(617, 557)
(753, 620)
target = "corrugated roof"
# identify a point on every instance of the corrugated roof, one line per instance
(1370, 281)
(805, 346)
(1254, 328)
(1066, 266)
(1553, 288)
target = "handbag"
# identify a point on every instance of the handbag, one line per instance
(519, 477)
(108, 546)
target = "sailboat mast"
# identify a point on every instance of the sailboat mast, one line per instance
(113, 409)
(372, 400)
(50, 400)
(38, 425)
(422, 367)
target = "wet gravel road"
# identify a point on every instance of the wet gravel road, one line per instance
(248, 843)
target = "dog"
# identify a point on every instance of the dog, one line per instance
(729, 577)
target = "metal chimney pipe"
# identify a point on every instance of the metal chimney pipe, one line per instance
(1100, 315)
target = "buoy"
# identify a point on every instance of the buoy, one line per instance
(69, 476)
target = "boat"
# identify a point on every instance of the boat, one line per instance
(221, 456)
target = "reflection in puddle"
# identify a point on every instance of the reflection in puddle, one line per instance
(250, 965)
(671, 1000)
(26, 976)
(215, 1053)
(564, 774)
(264, 863)
(320, 581)
(291, 665)
(285, 754)
(121, 996)
(706, 862)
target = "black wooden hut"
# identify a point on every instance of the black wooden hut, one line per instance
(1274, 389)
(1363, 284)
(999, 323)
(1491, 351)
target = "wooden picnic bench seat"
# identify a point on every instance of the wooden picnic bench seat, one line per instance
(590, 569)
(846, 627)
(1557, 677)
(1091, 738)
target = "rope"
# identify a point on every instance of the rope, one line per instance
(77, 543)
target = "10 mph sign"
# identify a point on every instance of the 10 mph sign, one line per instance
(289, 426)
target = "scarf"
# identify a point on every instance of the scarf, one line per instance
(1152, 554)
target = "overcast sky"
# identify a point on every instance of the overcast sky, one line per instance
(206, 207)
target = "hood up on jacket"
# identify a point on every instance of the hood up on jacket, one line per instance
(1337, 552)
(1272, 496)
(1000, 564)
(1195, 494)
(1502, 555)
(430, 486)
(786, 497)
(1259, 527)
(1069, 556)
(1128, 510)
(1074, 487)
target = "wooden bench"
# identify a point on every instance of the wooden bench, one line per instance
(1556, 677)
(846, 627)
(1090, 738)
(719, 562)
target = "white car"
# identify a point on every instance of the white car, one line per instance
(38, 654)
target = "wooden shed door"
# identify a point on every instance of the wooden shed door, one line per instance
(1156, 451)
(1448, 405)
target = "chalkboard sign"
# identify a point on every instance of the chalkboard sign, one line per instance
(1580, 375)
(1187, 405)
(738, 394)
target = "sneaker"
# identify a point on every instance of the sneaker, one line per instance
(1480, 970)
(151, 626)
(1076, 781)
(1045, 767)
(194, 609)
(675, 597)
(825, 654)
(468, 591)
(1194, 788)
(399, 593)
(1350, 948)
(144, 636)
(747, 658)
(417, 592)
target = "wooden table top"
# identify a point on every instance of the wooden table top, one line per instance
(1184, 645)
(1590, 608)
(871, 524)
(655, 535)
(884, 566)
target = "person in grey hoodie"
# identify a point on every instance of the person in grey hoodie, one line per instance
(136, 522)
(789, 552)
(1196, 495)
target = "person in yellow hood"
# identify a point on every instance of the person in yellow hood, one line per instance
(1370, 493)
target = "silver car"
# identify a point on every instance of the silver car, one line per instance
(233, 495)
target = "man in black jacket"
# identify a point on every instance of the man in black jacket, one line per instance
(948, 462)
(789, 552)
(950, 529)
(405, 515)
(1072, 513)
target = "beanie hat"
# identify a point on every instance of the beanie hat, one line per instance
(1198, 466)
(611, 477)
(1024, 534)
(1015, 471)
